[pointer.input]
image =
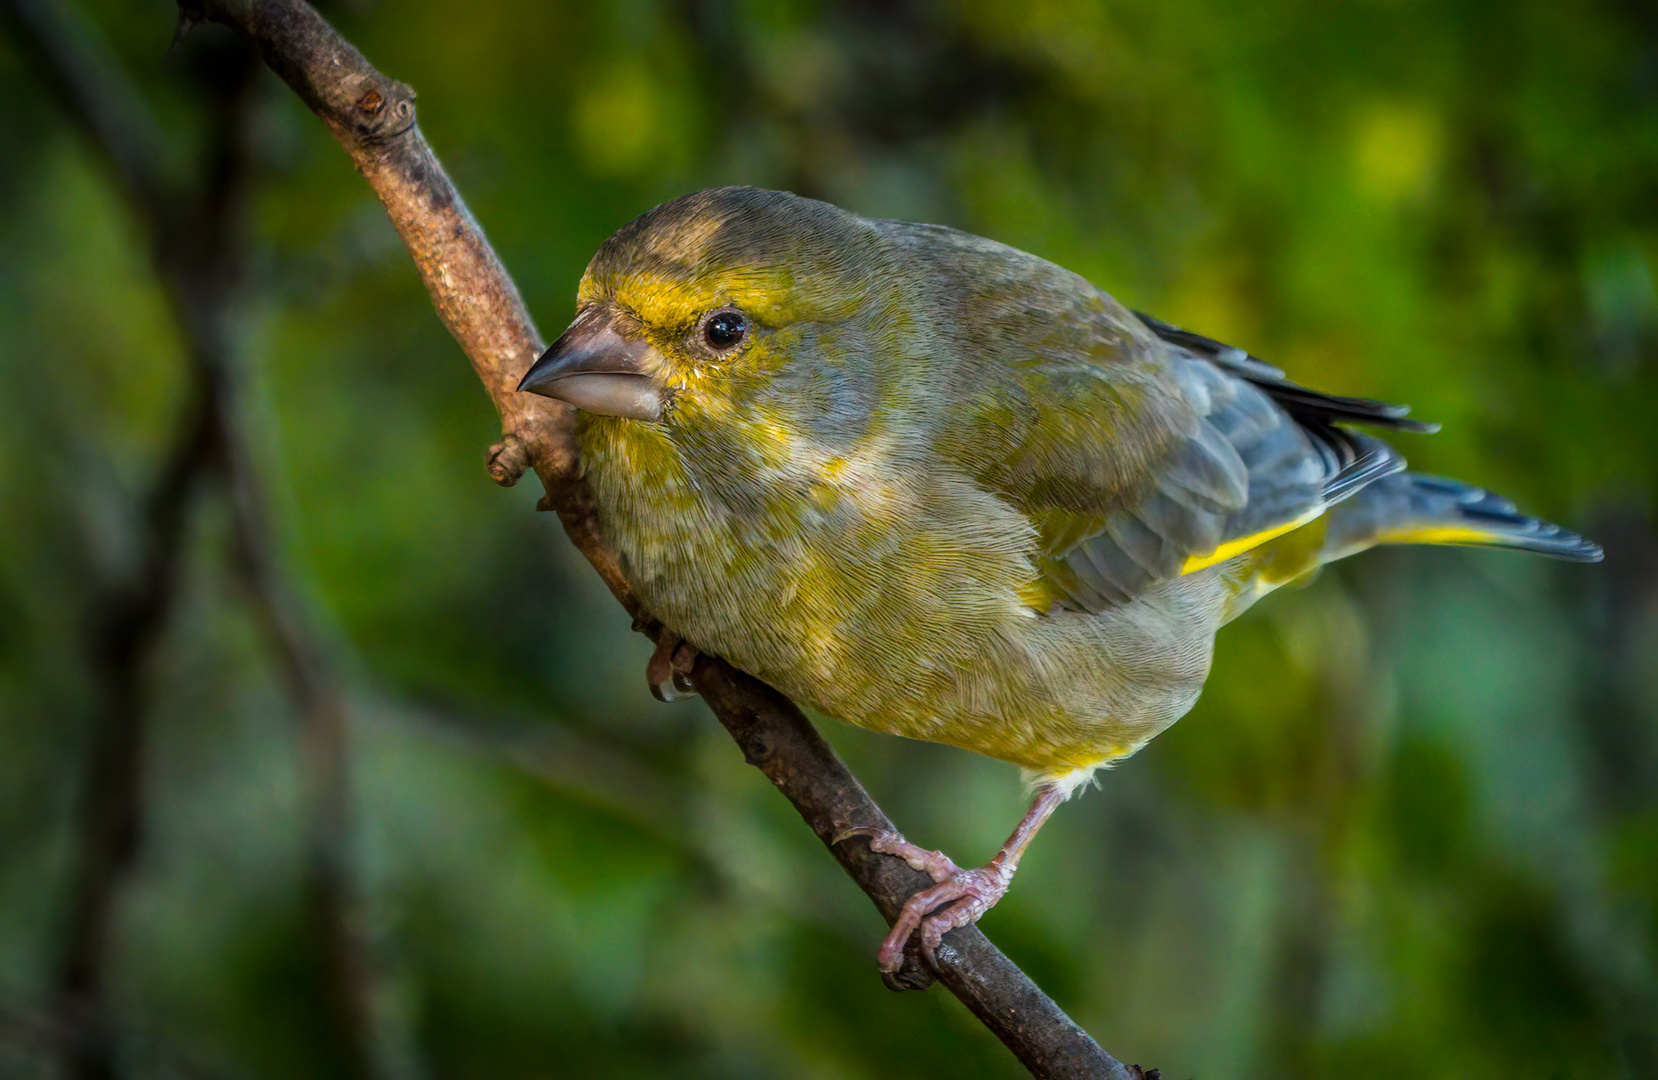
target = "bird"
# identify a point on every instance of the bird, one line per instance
(932, 485)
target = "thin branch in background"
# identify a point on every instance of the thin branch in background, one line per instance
(373, 118)
(126, 616)
(325, 757)
(100, 100)
(200, 255)
(127, 619)
(30, 1036)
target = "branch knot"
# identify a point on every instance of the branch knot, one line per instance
(508, 459)
(383, 112)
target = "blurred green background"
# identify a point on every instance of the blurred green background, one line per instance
(1410, 830)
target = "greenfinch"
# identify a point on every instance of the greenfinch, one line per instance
(935, 486)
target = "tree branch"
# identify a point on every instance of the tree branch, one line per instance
(373, 118)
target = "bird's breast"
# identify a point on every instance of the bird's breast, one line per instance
(856, 584)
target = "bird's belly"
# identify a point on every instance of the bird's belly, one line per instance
(912, 625)
(880, 636)
(1052, 693)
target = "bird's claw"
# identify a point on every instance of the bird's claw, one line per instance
(935, 864)
(957, 898)
(669, 670)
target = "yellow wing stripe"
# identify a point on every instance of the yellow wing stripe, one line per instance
(1436, 534)
(1245, 543)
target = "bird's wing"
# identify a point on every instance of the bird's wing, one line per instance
(1137, 450)
(1255, 457)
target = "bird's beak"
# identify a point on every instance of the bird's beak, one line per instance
(595, 367)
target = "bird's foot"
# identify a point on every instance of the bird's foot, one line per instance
(935, 864)
(669, 669)
(958, 897)
(959, 900)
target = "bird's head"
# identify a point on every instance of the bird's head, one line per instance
(706, 295)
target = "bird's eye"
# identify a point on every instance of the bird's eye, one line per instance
(725, 329)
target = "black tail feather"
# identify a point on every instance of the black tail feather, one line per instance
(1416, 508)
(1308, 406)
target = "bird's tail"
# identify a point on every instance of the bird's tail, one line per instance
(1405, 508)
(1410, 508)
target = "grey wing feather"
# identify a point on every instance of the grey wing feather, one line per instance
(1265, 453)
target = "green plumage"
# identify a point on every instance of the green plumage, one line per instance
(948, 490)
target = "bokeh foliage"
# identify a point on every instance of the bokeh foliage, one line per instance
(1412, 828)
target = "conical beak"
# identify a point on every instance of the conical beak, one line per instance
(596, 368)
